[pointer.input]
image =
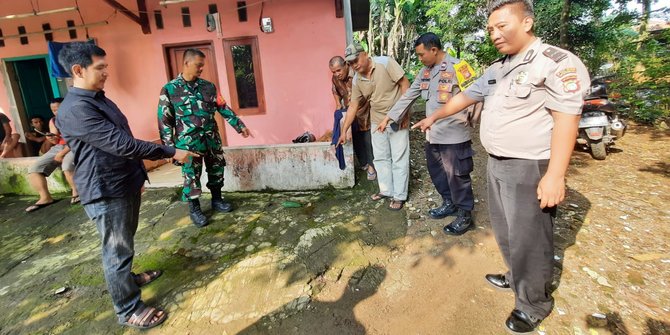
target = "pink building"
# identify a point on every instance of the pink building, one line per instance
(288, 66)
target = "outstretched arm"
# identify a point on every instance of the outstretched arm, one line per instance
(348, 120)
(230, 116)
(453, 106)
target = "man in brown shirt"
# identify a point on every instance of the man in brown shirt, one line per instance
(342, 80)
(381, 81)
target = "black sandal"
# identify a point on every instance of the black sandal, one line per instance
(394, 202)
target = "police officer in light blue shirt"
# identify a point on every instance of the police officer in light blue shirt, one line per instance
(532, 105)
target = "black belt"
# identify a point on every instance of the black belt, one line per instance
(500, 158)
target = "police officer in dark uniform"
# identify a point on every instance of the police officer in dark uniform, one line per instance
(448, 147)
(532, 104)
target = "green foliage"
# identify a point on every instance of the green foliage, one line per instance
(602, 33)
(643, 77)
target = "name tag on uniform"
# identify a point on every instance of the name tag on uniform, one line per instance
(424, 85)
(444, 87)
(426, 74)
(443, 96)
(447, 75)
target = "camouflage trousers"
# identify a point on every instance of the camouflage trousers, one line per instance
(191, 171)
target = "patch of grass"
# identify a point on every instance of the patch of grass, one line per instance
(87, 274)
(233, 255)
(164, 259)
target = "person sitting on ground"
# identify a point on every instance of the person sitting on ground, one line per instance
(6, 138)
(36, 136)
(58, 156)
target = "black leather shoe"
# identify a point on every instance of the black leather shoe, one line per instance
(461, 225)
(197, 216)
(220, 205)
(499, 281)
(519, 322)
(443, 211)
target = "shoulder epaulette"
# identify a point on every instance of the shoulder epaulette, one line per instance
(555, 54)
(499, 60)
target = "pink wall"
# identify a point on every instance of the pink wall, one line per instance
(293, 58)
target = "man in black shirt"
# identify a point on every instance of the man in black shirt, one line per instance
(109, 175)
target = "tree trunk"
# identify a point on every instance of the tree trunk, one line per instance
(409, 33)
(565, 21)
(371, 34)
(382, 27)
(396, 32)
(646, 10)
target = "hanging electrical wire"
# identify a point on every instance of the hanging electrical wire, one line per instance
(32, 6)
(76, 3)
(257, 3)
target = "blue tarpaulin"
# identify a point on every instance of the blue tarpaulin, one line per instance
(57, 71)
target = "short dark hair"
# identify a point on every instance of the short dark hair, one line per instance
(55, 100)
(336, 60)
(191, 52)
(429, 40)
(497, 4)
(78, 53)
(37, 117)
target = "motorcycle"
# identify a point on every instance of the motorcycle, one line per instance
(600, 125)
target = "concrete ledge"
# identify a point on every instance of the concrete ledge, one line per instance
(14, 177)
(302, 166)
(284, 167)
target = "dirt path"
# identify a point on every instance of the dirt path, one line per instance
(612, 258)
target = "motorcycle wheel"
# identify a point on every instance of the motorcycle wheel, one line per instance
(598, 150)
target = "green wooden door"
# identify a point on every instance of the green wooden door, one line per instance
(35, 86)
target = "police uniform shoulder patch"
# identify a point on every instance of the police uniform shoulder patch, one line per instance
(555, 54)
(499, 59)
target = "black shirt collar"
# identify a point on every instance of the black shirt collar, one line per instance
(87, 93)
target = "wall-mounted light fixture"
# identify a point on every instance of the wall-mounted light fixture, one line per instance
(40, 13)
(170, 2)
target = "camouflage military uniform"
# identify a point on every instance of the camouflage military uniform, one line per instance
(186, 121)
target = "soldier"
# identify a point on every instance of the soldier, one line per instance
(532, 104)
(186, 111)
(448, 147)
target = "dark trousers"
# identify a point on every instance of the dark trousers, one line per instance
(449, 166)
(362, 145)
(116, 220)
(523, 230)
